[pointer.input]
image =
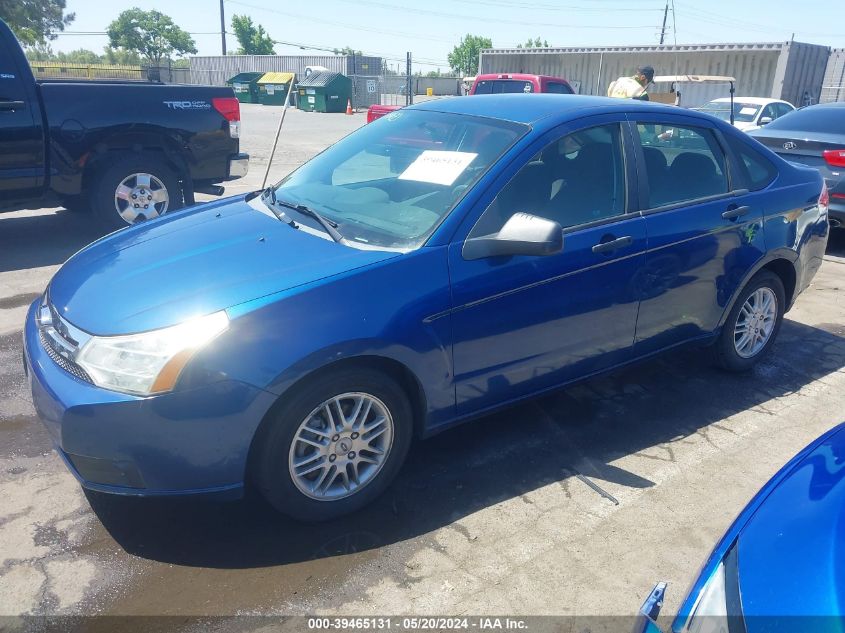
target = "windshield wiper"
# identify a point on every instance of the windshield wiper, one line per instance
(329, 225)
(268, 197)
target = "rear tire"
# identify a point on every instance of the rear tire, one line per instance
(753, 323)
(133, 189)
(297, 491)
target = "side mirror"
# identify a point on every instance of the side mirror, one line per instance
(646, 621)
(522, 234)
(765, 120)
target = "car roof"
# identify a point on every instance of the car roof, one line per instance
(531, 108)
(516, 76)
(754, 100)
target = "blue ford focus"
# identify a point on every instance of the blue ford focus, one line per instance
(449, 259)
(780, 566)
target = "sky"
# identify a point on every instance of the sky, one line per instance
(430, 29)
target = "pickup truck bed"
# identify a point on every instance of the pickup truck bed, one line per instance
(125, 150)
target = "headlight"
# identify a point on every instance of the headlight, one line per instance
(149, 362)
(711, 613)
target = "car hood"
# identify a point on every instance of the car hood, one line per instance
(792, 551)
(195, 262)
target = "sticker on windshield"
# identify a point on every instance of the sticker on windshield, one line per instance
(748, 110)
(437, 167)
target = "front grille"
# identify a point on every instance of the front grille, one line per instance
(68, 365)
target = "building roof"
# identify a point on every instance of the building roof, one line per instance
(651, 48)
(276, 78)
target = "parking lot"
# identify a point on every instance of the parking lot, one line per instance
(498, 516)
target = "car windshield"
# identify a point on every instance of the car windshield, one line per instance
(390, 184)
(743, 112)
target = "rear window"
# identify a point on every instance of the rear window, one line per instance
(830, 119)
(502, 86)
(756, 169)
(558, 88)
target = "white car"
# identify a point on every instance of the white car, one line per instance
(750, 113)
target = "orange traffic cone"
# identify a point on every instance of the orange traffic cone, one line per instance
(349, 106)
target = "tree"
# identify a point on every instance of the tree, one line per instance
(120, 56)
(151, 34)
(35, 21)
(464, 57)
(535, 43)
(347, 50)
(253, 40)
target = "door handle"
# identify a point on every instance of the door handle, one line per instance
(735, 212)
(12, 105)
(612, 245)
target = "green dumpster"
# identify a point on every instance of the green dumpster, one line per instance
(324, 91)
(273, 88)
(245, 86)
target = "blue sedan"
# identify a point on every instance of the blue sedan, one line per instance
(780, 566)
(449, 259)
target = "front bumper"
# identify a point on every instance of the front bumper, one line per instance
(238, 166)
(184, 442)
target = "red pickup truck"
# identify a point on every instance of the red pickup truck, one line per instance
(496, 83)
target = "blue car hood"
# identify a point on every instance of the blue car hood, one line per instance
(792, 551)
(195, 262)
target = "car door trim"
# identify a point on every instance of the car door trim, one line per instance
(535, 284)
(690, 203)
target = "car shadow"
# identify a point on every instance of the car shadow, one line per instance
(836, 243)
(572, 432)
(33, 240)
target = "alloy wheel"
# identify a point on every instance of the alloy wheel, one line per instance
(341, 446)
(755, 322)
(141, 197)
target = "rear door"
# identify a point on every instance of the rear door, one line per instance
(21, 134)
(704, 230)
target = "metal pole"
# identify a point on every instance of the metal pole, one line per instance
(663, 30)
(409, 97)
(732, 103)
(278, 132)
(223, 27)
(598, 76)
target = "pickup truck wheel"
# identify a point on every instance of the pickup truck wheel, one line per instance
(134, 189)
(334, 445)
(753, 323)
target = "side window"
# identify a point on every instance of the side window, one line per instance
(682, 163)
(574, 180)
(755, 168)
(782, 109)
(769, 111)
(556, 88)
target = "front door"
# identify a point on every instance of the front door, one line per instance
(704, 230)
(21, 141)
(525, 323)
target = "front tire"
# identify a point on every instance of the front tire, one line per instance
(334, 445)
(753, 323)
(134, 189)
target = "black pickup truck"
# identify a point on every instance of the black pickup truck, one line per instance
(126, 151)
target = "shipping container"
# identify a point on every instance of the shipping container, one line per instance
(792, 71)
(833, 86)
